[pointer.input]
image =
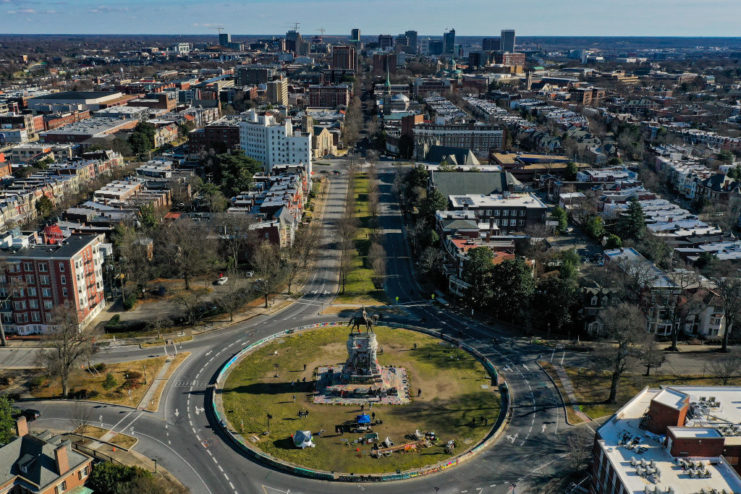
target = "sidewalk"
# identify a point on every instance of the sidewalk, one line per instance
(569, 388)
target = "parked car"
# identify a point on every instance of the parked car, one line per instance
(30, 414)
(249, 274)
(221, 281)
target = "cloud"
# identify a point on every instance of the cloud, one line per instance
(21, 11)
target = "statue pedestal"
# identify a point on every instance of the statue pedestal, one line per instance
(362, 362)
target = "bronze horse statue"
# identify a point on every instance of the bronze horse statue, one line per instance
(363, 320)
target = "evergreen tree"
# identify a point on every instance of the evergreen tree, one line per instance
(632, 224)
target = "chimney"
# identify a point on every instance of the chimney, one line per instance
(60, 454)
(21, 426)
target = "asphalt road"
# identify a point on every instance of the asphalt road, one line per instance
(182, 436)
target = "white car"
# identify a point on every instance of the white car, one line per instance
(222, 280)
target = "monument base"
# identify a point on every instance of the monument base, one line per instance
(334, 388)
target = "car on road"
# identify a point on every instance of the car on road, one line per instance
(30, 414)
(221, 281)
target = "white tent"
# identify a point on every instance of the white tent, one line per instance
(302, 439)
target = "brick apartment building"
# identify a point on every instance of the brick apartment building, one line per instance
(344, 57)
(41, 464)
(221, 135)
(329, 96)
(50, 275)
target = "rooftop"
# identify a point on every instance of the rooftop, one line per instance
(497, 200)
(641, 460)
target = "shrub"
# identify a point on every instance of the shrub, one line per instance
(134, 375)
(35, 383)
(129, 301)
(110, 382)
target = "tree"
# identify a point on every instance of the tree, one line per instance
(233, 296)
(134, 256)
(190, 302)
(44, 207)
(434, 202)
(613, 242)
(377, 261)
(68, 345)
(595, 227)
(725, 368)
(728, 290)
(232, 172)
(555, 298)
(406, 146)
(141, 139)
(235, 235)
(624, 325)
(477, 269)
(7, 424)
(650, 353)
(266, 262)
(571, 170)
(632, 224)
(561, 216)
(111, 478)
(189, 248)
(512, 290)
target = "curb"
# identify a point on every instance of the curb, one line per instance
(560, 396)
(505, 415)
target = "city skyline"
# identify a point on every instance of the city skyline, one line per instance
(689, 18)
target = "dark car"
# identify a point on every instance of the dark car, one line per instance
(29, 413)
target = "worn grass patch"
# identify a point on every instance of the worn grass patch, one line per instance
(126, 391)
(592, 388)
(456, 392)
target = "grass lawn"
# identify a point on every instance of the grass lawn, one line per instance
(122, 440)
(452, 397)
(592, 388)
(359, 287)
(93, 382)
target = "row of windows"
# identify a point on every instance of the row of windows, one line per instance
(501, 212)
(32, 304)
(28, 266)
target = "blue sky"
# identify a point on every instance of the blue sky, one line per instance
(468, 17)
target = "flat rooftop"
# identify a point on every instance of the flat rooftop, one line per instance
(496, 200)
(641, 460)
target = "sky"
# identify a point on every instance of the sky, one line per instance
(428, 17)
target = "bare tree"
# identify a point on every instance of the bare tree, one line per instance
(266, 262)
(189, 302)
(725, 368)
(728, 290)
(235, 235)
(650, 353)
(10, 286)
(68, 345)
(624, 325)
(190, 248)
(377, 261)
(233, 297)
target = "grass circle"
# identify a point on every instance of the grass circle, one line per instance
(457, 400)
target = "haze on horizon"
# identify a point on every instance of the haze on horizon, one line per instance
(428, 17)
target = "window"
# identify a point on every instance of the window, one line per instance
(61, 268)
(43, 267)
(31, 291)
(45, 292)
(35, 316)
(27, 266)
(63, 280)
(44, 279)
(30, 279)
(48, 304)
(64, 291)
(21, 305)
(33, 304)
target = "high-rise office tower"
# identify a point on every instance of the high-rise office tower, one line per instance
(355, 35)
(225, 39)
(385, 41)
(449, 42)
(411, 41)
(293, 41)
(490, 44)
(508, 40)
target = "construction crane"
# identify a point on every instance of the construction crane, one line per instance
(322, 31)
(295, 26)
(218, 29)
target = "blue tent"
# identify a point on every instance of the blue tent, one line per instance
(363, 419)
